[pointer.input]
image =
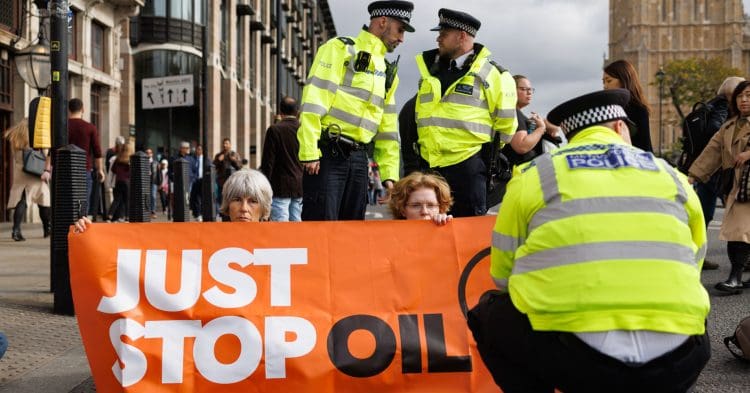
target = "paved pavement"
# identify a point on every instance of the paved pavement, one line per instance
(46, 354)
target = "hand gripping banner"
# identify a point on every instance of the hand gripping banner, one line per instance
(282, 307)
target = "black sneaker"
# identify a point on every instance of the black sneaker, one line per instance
(708, 265)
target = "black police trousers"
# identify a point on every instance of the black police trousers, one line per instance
(339, 190)
(468, 182)
(523, 360)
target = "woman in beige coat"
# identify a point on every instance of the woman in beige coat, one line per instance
(26, 188)
(729, 149)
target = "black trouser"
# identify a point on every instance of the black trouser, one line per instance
(339, 190)
(523, 360)
(196, 197)
(468, 182)
(20, 211)
(119, 206)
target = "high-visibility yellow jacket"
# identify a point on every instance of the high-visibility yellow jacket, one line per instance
(453, 127)
(599, 236)
(356, 101)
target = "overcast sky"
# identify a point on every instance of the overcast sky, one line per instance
(559, 44)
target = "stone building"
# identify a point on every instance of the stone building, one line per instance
(650, 33)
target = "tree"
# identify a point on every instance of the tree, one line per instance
(691, 80)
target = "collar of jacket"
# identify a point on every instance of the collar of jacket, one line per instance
(597, 135)
(431, 59)
(370, 43)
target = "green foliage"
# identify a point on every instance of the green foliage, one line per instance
(691, 80)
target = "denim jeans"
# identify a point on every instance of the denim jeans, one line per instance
(707, 195)
(286, 209)
(152, 199)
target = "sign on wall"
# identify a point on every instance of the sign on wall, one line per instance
(167, 92)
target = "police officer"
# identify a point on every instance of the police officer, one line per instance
(464, 100)
(597, 253)
(349, 101)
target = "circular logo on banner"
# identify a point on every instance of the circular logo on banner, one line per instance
(464, 279)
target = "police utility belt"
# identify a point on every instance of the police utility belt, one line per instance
(332, 135)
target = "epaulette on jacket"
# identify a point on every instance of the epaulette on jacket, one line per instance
(498, 66)
(346, 40)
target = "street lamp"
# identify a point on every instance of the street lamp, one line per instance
(660, 79)
(33, 62)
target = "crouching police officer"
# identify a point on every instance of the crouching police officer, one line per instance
(597, 252)
(349, 101)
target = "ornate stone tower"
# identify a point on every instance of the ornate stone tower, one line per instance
(650, 33)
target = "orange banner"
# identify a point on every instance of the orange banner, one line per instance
(369, 306)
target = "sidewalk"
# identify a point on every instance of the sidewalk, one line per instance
(45, 353)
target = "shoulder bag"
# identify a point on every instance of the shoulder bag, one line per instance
(33, 162)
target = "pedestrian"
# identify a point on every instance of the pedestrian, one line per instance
(281, 165)
(226, 163)
(86, 136)
(26, 188)
(196, 189)
(153, 169)
(421, 196)
(164, 185)
(527, 141)
(621, 74)
(349, 101)
(102, 194)
(729, 149)
(120, 170)
(596, 253)
(465, 100)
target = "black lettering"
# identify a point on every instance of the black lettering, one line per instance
(411, 348)
(437, 359)
(342, 358)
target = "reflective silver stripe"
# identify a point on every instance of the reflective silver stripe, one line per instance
(462, 99)
(426, 98)
(314, 108)
(505, 113)
(354, 120)
(547, 177)
(577, 207)
(681, 193)
(484, 72)
(501, 283)
(390, 109)
(505, 138)
(387, 136)
(505, 242)
(452, 123)
(578, 253)
(349, 76)
(323, 84)
(364, 95)
(701, 253)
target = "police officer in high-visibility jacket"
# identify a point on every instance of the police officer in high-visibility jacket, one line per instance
(464, 100)
(597, 254)
(349, 101)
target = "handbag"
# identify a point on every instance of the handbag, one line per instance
(742, 191)
(741, 340)
(33, 162)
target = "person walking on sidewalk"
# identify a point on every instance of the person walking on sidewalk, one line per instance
(26, 188)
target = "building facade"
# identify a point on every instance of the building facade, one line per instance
(115, 44)
(245, 76)
(650, 33)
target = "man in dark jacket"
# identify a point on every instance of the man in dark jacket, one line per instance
(719, 112)
(280, 164)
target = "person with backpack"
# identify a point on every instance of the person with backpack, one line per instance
(700, 125)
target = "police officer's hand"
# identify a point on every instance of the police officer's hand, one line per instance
(312, 168)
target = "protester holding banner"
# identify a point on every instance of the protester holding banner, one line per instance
(421, 196)
(597, 251)
(246, 196)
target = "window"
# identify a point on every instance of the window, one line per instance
(97, 46)
(239, 47)
(155, 8)
(95, 110)
(6, 85)
(198, 12)
(179, 9)
(72, 36)
(8, 10)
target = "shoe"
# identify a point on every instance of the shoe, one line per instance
(47, 231)
(734, 287)
(746, 284)
(708, 265)
(17, 236)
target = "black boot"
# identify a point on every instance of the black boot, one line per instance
(17, 236)
(18, 214)
(733, 284)
(44, 214)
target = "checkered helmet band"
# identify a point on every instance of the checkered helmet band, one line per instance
(392, 12)
(593, 116)
(457, 24)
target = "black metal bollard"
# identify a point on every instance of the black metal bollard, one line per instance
(208, 210)
(139, 192)
(69, 178)
(181, 190)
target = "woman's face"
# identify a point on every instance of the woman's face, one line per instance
(610, 82)
(421, 205)
(743, 102)
(244, 210)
